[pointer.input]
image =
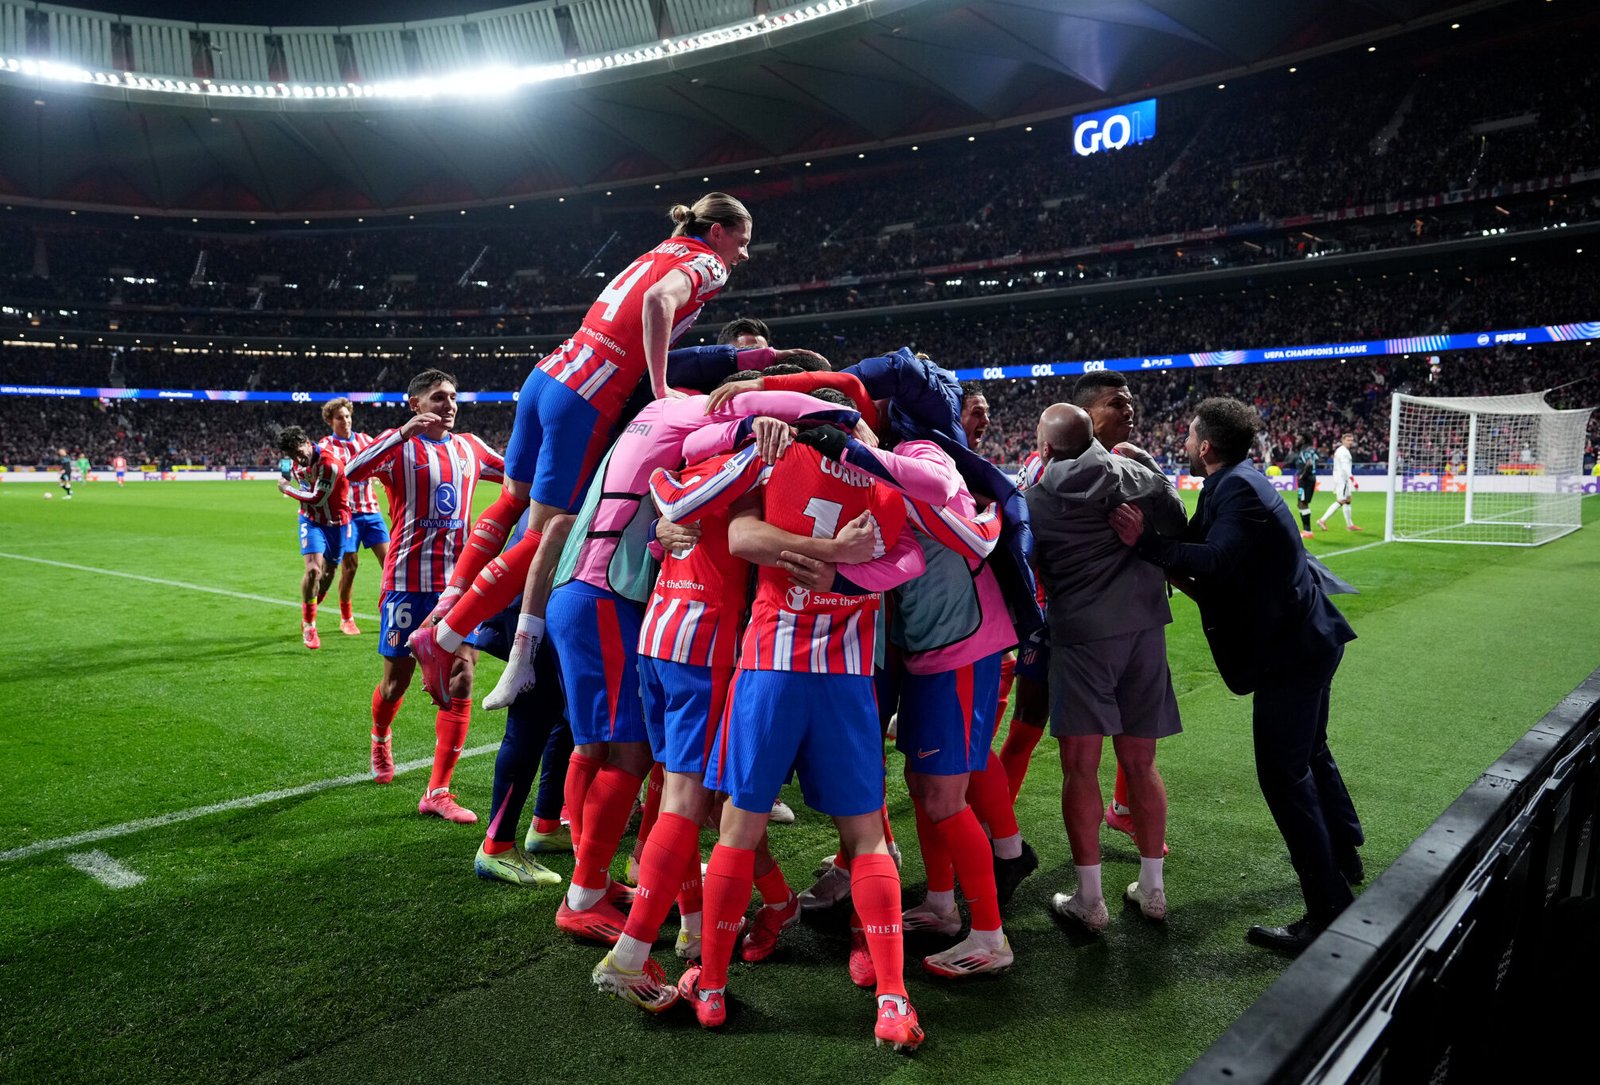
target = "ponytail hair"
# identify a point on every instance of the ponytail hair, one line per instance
(713, 207)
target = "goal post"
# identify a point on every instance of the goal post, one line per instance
(1496, 470)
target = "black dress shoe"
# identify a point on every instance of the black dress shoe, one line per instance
(1008, 873)
(1292, 939)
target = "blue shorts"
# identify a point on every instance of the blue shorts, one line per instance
(367, 529)
(317, 539)
(399, 612)
(1034, 665)
(947, 719)
(556, 442)
(683, 706)
(596, 634)
(823, 725)
(120, 474)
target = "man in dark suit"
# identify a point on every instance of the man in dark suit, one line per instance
(1242, 560)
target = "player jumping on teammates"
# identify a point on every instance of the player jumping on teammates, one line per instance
(366, 526)
(324, 515)
(430, 474)
(1344, 484)
(565, 416)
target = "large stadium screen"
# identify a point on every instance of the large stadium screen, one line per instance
(1115, 128)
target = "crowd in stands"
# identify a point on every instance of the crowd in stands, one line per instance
(1271, 146)
(1326, 399)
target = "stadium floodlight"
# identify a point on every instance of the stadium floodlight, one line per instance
(489, 81)
(1496, 470)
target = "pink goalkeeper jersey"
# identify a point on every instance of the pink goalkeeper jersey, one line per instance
(430, 486)
(791, 628)
(362, 500)
(655, 438)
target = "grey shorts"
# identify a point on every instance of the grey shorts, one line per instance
(1114, 686)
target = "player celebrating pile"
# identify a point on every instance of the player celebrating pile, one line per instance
(430, 474)
(565, 416)
(803, 697)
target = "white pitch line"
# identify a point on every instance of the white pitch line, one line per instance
(1353, 549)
(244, 803)
(105, 870)
(168, 583)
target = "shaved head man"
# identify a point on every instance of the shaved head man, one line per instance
(1065, 431)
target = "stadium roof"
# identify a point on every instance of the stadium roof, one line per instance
(841, 77)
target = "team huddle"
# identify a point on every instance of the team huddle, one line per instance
(751, 569)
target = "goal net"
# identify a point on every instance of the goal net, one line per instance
(1502, 470)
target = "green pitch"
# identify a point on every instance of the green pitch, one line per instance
(336, 936)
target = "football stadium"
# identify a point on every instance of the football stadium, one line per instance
(605, 540)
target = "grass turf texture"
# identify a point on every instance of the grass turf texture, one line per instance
(341, 937)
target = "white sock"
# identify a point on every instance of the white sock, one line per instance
(1348, 521)
(1150, 874)
(382, 738)
(900, 1002)
(531, 626)
(630, 954)
(986, 939)
(581, 898)
(943, 901)
(1121, 808)
(1008, 847)
(691, 922)
(448, 638)
(1088, 883)
(1324, 517)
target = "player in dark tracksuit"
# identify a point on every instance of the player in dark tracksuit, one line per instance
(1305, 462)
(66, 472)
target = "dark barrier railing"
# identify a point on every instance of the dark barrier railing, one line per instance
(1473, 951)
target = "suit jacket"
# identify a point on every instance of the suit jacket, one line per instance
(1263, 609)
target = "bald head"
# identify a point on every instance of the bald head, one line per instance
(1065, 431)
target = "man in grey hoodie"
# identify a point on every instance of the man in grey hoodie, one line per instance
(1108, 666)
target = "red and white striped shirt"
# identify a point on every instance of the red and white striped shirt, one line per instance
(792, 628)
(430, 486)
(324, 495)
(604, 361)
(362, 500)
(699, 599)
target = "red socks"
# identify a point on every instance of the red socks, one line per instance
(974, 863)
(383, 713)
(1017, 749)
(875, 888)
(652, 803)
(497, 586)
(773, 887)
(581, 771)
(667, 857)
(344, 610)
(308, 613)
(729, 876)
(487, 538)
(1120, 795)
(935, 856)
(990, 795)
(605, 819)
(450, 731)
